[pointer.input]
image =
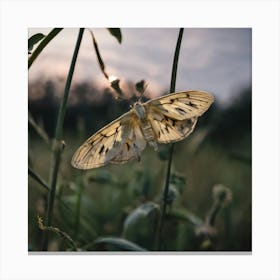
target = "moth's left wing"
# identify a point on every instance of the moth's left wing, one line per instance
(134, 144)
(117, 142)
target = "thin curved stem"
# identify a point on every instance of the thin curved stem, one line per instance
(58, 144)
(169, 163)
(37, 178)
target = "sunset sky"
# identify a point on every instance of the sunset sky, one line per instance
(217, 60)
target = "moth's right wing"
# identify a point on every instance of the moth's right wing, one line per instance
(168, 130)
(117, 142)
(174, 116)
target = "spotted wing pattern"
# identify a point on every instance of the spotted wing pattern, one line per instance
(117, 142)
(169, 130)
(174, 116)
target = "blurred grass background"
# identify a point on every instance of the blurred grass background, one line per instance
(122, 200)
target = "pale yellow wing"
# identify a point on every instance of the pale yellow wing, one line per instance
(181, 105)
(174, 116)
(168, 130)
(134, 144)
(117, 142)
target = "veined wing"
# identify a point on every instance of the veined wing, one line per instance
(181, 105)
(134, 144)
(174, 116)
(117, 142)
(169, 130)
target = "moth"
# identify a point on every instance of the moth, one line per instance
(169, 118)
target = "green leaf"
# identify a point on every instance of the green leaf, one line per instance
(34, 40)
(140, 224)
(42, 45)
(117, 244)
(140, 214)
(116, 32)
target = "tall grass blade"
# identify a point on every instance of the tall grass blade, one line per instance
(167, 178)
(58, 143)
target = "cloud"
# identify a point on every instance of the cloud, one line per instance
(216, 59)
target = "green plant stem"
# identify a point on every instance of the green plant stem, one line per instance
(43, 183)
(175, 61)
(58, 143)
(164, 200)
(168, 171)
(38, 179)
(42, 45)
(40, 130)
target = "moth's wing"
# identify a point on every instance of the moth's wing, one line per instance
(111, 144)
(181, 105)
(134, 144)
(174, 116)
(169, 130)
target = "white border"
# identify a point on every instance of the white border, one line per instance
(262, 16)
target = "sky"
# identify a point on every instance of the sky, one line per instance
(217, 60)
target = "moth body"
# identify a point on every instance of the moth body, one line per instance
(145, 125)
(140, 110)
